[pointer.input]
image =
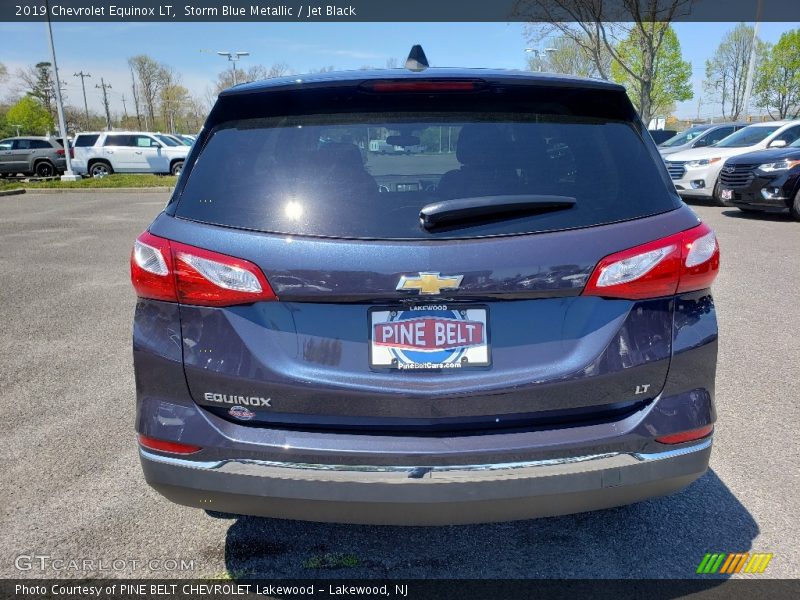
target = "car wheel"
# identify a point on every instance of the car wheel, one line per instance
(177, 168)
(794, 209)
(100, 169)
(715, 197)
(44, 169)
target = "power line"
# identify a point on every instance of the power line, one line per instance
(105, 86)
(83, 75)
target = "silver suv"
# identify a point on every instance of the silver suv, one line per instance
(31, 155)
(103, 153)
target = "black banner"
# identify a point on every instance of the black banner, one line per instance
(414, 589)
(394, 10)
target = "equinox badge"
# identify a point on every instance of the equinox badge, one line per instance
(429, 283)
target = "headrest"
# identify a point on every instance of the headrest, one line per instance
(484, 144)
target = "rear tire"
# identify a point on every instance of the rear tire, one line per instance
(794, 209)
(176, 168)
(44, 169)
(715, 197)
(100, 169)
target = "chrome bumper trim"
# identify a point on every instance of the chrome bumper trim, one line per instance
(440, 473)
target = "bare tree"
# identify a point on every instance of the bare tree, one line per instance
(135, 91)
(598, 27)
(149, 75)
(726, 71)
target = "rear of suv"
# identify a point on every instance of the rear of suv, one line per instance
(513, 320)
(102, 153)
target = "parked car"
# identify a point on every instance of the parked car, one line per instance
(172, 140)
(696, 172)
(766, 180)
(661, 135)
(531, 333)
(103, 153)
(31, 155)
(699, 136)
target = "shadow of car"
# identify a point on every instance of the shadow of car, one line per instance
(659, 538)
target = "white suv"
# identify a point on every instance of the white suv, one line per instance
(695, 172)
(103, 153)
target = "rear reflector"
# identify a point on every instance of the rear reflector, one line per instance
(422, 86)
(165, 446)
(165, 270)
(686, 436)
(682, 262)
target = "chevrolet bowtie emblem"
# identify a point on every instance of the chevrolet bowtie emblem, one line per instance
(430, 283)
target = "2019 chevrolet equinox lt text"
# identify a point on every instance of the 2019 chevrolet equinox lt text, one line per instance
(509, 319)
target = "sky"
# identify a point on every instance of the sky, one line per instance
(102, 49)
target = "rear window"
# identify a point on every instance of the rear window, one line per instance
(368, 175)
(83, 141)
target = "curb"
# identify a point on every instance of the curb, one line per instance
(125, 190)
(13, 192)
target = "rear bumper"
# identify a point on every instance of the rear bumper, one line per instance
(414, 495)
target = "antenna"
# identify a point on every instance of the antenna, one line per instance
(417, 61)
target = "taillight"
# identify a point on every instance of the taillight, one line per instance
(687, 436)
(167, 446)
(682, 262)
(72, 152)
(60, 152)
(165, 270)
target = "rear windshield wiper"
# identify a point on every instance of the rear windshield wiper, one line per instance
(468, 209)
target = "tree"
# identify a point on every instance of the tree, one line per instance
(566, 56)
(149, 80)
(225, 78)
(38, 81)
(777, 86)
(31, 115)
(726, 71)
(3, 73)
(601, 26)
(670, 79)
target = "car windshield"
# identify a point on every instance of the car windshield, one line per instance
(168, 140)
(684, 137)
(369, 175)
(749, 136)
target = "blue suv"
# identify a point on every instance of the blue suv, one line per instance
(506, 316)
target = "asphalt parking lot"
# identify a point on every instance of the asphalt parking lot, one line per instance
(72, 487)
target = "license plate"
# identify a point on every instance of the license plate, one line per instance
(726, 194)
(429, 337)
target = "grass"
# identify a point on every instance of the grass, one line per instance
(118, 180)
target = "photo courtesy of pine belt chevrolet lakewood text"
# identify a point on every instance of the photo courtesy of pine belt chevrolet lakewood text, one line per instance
(424, 296)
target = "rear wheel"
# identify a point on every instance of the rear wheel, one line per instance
(176, 168)
(715, 196)
(794, 209)
(44, 169)
(100, 169)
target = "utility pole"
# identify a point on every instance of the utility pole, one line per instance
(124, 107)
(233, 57)
(748, 87)
(83, 76)
(105, 86)
(68, 174)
